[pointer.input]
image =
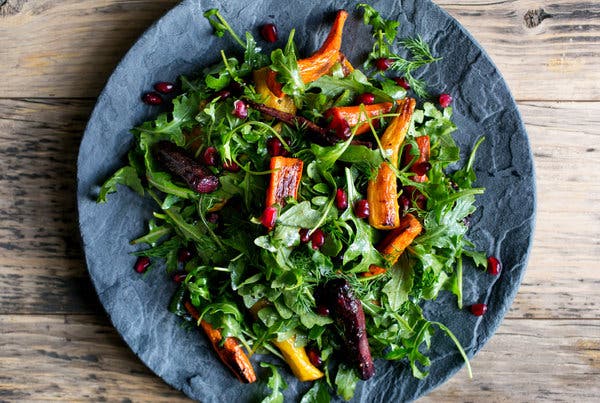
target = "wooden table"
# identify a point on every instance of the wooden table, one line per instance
(55, 340)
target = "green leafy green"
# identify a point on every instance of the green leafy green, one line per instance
(126, 176)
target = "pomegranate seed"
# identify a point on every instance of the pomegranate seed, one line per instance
(383, 63)
(361, 209)
(341, 199)
(421, 168)
(317, 238)
(210, 156)
(269, 217)
(420, 200)
(179, 277)
(275, 147)
(152, 98)
(231, 166)
(478, 309)
(212, 218)
(142, 264)
(367, 98)
(314, 356)
(239, 109)
(304, 236)
(341, 128)
(184, 255)
(445, 100)
(164, 87)
(404, 203)
(493, 265)
(223, 94)
(269, 32)
(322, 310)
(402, 82)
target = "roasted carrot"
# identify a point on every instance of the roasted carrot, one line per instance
(264, 79)
(354, 115)
(395, 242)
(230, 352)
(382, 193)
(417, 166)
(285, 179)
(321, 62)
(298, 360)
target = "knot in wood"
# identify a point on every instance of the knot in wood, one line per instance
(533, 18)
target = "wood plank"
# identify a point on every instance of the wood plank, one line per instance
(532, 361)
(77, 357)
(555, 60)
(72, 358)
(545, 50)
(42, 268)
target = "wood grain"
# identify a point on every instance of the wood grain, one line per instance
(40, 254)
(80, 357)
(556, 60)
(72, 358)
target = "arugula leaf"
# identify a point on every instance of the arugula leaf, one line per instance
(220, 25)
(126, 176)
(284, 62)
(276, 383)
(318, 393)
(345, 381)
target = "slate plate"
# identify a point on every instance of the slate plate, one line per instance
(181, 43)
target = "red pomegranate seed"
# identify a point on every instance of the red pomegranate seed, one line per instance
(142, 264)
(269, 32)
(231, 166)
(179, 277)
(367, 98)
(304, 236)
(478, 309)
(421, 168)
(341, 199)
(314, 356)
(269, 217)
(361, 209)
(164, 87)
(493, 265)
(317, 238)
(322, 310)
(239, 109)
(404, 203)
(212, 218)
(445, 100)
(223, 94)
(341, 128)
(275, 147)
(402, 82)
(152, 98)
(210, 156)
(383, 63)
(184, 255)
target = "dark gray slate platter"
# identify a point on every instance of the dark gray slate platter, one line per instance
(181, 43)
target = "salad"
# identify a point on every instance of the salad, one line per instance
(306, 208)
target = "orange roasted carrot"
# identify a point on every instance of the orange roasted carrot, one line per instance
(274, 85)
(382, 192)
(230, 352)
(354, 115)
(321, 62)
(273, 98)
(417, 166)
(396, 241)
(285, 179)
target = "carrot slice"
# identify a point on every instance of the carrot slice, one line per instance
(263, 79)
(355, 116)
(382, 193)
(321, 62)
(396, 241)
(230, 352)
(285, 179)
(424, 147)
